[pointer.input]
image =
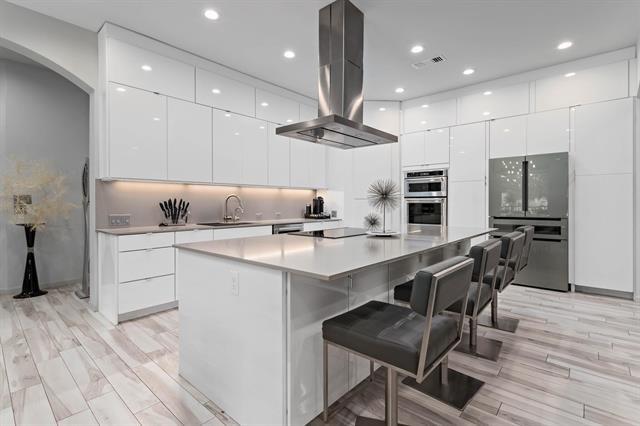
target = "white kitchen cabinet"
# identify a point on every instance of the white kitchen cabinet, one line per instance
(419, 114)
(279, 156)
(255, 152)
(190, 142)
(276, 108)
(300, 165)
(548, 132)
(412, 149)
(586, 86)
(228, 129)
(308, 112)
(242, 232)
(370, 164)
(141, 68)
(467, 204)
(321, 225)
(603, 217)
(339, 171)
(145, 241)
(437, 146)
(318, 177)
(194, 236)
(142, 264)
(467, 159)
(508, 137)
(382, 115)
(496, 103)
(604, 137)
(225, 93)
(137, 133)
(147, 293)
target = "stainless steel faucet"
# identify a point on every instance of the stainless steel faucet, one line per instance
(235, 217)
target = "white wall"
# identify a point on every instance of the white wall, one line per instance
(44, 117)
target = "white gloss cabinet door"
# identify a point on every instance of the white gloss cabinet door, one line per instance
(382, 115)
(437, 146)
(422, 115)
(308, 112)
(225, 93)
(254, 136)
(548, 132)
(276, 108)
(318, 178)
(279, 170)
(137, 134)
(190, 142)
(604, 251)
(496, 103)
(130, 65)
(369, 164)
(301, 157)
(227, 147)
(604, 137)
(508, 137)
(467, 204)
(467, 154)
(412, 149)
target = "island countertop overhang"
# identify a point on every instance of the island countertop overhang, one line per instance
(329, 259)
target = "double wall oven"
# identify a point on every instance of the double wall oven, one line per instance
(425, 198)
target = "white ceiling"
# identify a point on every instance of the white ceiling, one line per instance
(496, 37)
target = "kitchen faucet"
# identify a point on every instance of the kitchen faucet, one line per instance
(240, 208)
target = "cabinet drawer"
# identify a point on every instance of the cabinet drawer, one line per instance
(145, 241)
(194, 236)
(249, 231)
(149, 263)
(145, 293)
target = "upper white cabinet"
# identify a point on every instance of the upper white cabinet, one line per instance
(308, 112)
(190, 142)
(548, 132)
(437, 146)
(137, 133)
(604, 137)
(413, 149)
(300, 165)
(275, 108)
(495, 103)
(225, 93)
(143, 69)
(279, 158)
(467, 204)
(467, 154)
(422, 115)
(382, 115)
(255, 152)
(583, 86)
(318, 177)
(369, 164)
(508, 137)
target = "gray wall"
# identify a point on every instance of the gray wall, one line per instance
(44, 117)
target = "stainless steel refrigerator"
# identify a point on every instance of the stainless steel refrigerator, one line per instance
(533, 190)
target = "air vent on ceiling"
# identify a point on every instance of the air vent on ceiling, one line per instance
(423, 64)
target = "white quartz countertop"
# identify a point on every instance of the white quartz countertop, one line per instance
(328, 259)
(155, 229)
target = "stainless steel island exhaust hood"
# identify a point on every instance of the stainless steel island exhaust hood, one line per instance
(339, 121)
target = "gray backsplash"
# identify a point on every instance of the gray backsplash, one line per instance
(140, 200)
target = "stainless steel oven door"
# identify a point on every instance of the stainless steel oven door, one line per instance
(425, 187)
(426, 211)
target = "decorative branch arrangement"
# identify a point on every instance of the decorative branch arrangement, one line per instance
(372, 222)
(384, 194)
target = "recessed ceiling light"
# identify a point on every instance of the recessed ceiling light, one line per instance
(211, 14)
(486, 113)
(399, 89)
(507, 130)
(468, 71)
(565, 45)
(487, 93)
(146, 67)
(237, 134)
(440, 130)
(227, 115)
(215, 91)
(289, 120)
(289, 54)
(424, 106)
(264, 104)
(121, 89)
(262, 127)
(570, 74)
(382, 109)
(156, 119)
(423, 122)
(417, 48)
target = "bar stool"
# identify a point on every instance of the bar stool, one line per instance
(528, 231)
(510, 252)
(412, 341)
(486, 257)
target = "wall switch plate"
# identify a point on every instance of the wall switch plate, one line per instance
(259, 216)
(334, 213)
(235, 283)
(278, 214)
(119, 220)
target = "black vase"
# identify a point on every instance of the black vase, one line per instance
(30, 286)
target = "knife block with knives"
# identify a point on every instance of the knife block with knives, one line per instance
(175, 212)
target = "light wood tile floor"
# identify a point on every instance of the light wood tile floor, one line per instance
(575, 359)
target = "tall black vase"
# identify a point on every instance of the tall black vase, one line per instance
(30, 286)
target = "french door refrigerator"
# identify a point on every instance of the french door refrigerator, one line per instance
(533, 190)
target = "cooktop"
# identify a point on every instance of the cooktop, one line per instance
(332, 233)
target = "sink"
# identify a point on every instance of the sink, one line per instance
(224, 223)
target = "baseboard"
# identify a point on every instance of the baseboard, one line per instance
(57, 284)
(604, 292)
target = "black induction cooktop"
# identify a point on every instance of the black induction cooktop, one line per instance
(332, 233)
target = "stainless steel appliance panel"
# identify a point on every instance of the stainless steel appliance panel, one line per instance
(548, 265)
(505, 187)
(426, 211)
(548, 185)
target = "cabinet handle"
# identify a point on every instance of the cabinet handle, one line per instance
(149, 249)
(149, 233)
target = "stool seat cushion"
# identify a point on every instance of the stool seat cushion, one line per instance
(402, 292)
(390, 333)
(500, 285)
(485, 297)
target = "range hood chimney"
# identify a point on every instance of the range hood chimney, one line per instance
(339, 84)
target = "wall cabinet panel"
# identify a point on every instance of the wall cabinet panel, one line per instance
(412, 149)
(383, 115)
(508, 137)
(467, 153)
(437, 146)
(501, 102)
(279, 157)
(190, 142)
(225, 93)
(369, 164)
(276, 108)
(467, 204)
(548, 132)
(228, 129)
(423, 115)
(301, 158)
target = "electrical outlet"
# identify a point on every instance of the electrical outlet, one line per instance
(119, 220)
(334, 213)
(278, 214)
(259, 216)
(235, 283)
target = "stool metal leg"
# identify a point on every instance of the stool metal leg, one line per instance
(480, 347)
(444, 371)
(325, 380)
(371, 371)
(509, 325)
(391, 403)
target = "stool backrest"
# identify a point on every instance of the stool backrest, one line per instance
(527, 230)
(486, 257)
(512, 244)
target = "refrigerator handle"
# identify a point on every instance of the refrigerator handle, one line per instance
(525, 186)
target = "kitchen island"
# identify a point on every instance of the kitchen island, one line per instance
(251, 311)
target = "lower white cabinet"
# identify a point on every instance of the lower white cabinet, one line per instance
(139, 264)
(190, 142)
(194, 236)
(321, 225)
(243, 232)
(467, 204)
(137, 295)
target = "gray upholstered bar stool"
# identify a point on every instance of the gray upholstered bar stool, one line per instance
(412, 341)
(486, 258)
(528, 232)
(510, 252)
